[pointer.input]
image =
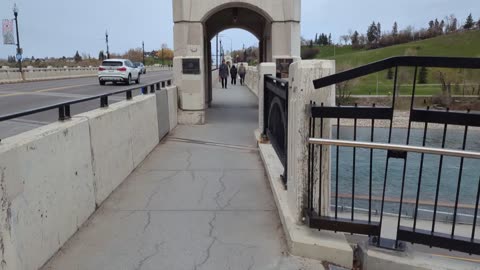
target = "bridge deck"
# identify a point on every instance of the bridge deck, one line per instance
(199, 201)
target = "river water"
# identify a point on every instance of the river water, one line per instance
(449, 174)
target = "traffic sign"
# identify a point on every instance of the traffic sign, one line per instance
(19, 57)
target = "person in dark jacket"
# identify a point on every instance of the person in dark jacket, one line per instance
(233, 73)
(242, 71)
(223, 73)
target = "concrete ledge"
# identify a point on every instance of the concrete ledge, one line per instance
(303, 241)
(379, 259)
(191, 117)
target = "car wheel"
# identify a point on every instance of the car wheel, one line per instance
(145, 72)
(129, 79)
(137, 81)
(102, 82)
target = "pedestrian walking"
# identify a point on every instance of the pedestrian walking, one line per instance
(242, 71)
(223, 73)
(234, 73)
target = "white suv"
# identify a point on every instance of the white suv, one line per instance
(118, 70)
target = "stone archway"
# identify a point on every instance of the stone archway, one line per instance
(276, 24)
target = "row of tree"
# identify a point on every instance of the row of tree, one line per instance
(322, 39)
(375, 38)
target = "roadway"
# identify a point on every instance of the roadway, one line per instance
(29, 95)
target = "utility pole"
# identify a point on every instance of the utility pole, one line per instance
(216, 55)
(143, 52)
(106, 40)
(221, 51)
(19, 49)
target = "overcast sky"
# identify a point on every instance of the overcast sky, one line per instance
(61, 27)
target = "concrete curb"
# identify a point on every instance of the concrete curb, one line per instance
(302, 241)
(379, 259)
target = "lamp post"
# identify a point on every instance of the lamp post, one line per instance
(143, 52)
(19, 50)
(106, 40)
(231, 42)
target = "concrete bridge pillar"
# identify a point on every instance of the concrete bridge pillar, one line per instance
(301, 92)
(275, 23)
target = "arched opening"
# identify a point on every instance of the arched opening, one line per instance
(234, 16)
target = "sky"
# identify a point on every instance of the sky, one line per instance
(58, 28)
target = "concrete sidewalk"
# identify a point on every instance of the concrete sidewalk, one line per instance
(199, 201)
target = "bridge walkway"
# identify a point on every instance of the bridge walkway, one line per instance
(200, 200)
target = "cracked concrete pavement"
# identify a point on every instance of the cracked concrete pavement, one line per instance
(190, 205)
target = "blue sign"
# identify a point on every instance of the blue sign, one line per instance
(19, 57)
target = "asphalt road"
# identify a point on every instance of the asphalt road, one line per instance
(25, 96)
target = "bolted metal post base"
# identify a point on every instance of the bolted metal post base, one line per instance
(387, 243)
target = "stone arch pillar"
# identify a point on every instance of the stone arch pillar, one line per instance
(276, 24)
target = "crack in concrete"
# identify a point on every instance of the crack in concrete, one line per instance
(189, 159)
(230, 200)
(214, 239)
(252, 263)
(222, 189)
(144, 260)
(157, 190)
(149, 220)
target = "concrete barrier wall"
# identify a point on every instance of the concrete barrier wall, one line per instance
(252, 79)
(163, 113)
(47, 189)
(172, 95)
(122, 135)
(53, 177)
(12, 75)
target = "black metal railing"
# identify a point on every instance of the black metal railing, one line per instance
(64, 107)
(276, 117)
(418, 184)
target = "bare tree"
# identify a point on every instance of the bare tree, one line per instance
(345, 39)
(445, 97)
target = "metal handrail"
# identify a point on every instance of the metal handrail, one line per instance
(397, 147)
(402, 61)
(102, 97)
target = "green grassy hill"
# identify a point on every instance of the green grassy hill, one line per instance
(466, 44)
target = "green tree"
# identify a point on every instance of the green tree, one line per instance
(422, 75)
(469, 23)
(101, 56)
(330, 39)
(372, 33)
(478, 24)
(77, 57)
(354, 39)
(395, 29)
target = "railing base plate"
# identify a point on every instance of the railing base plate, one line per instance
(387, 243)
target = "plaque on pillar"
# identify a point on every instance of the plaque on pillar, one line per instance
(283, 66)
(191, 66)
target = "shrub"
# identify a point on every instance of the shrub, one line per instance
(309, 53)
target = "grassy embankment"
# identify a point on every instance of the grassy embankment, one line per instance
(466, 44)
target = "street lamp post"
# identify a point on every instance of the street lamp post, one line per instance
(231, 42)
(143, 52)
(19, 50)
(106, 40)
